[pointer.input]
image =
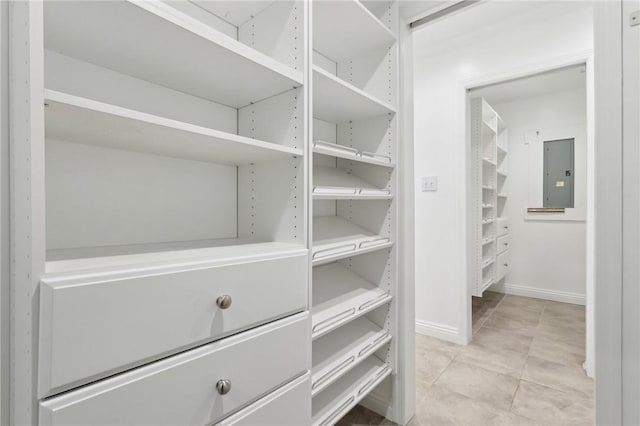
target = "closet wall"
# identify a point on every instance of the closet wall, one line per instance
(548, 257)
(446, 61)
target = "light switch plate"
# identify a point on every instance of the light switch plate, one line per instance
(429, 183)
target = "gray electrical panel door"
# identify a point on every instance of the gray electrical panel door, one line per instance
(558, 173)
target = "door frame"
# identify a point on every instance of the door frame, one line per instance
(586, 58)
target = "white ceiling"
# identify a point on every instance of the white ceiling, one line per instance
(568, 78)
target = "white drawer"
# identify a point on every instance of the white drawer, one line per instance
(502, 265)
(288, 406)
(502, 243)
(95, 326)
(182, 390)
(502, 227)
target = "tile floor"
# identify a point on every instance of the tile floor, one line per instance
(523, 367)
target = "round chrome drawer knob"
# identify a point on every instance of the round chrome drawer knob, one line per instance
(223, 386)
(223, 301)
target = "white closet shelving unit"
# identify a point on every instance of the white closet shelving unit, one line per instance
(489, 153)
(354, 218)
(160, 199)
(195, 187)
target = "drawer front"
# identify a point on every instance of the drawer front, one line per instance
(182, 390)
(92, 329)
(502, 226)
(288, 406)
(503, 243)
(503, 265)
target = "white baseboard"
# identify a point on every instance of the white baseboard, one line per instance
(440, 331)
(540, 293)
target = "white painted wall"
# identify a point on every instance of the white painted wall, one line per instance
(485, 43)
(547, 257)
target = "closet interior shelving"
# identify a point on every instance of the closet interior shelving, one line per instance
(354, 191)
(489, 152)
(196, 182)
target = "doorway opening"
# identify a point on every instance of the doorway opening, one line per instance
(530, 231)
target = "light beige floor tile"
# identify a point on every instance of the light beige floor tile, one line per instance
(527, 303)
(494, 358)
(565, 309)
(557, 350)
(432, 357)
(560, 320)
(570, 379)
(562, 334)
(441, 407)
(526, 328)
(491, 337)
(432, 344)
(552, 407)
(518, 313)
(479, 384)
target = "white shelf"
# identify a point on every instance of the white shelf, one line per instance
(161, 254)
(488, 240)
(340, 351)
(75, 119)
(488, 262)
(487, 206)
(345, 29)
(340, 151)
(340, 296)
(487, 221)
(502, 195)
(501, 149)
(488, 187)
(487, 284)
(330, 183)
(154, 42)
(489, 161)
(501, 173)
(335, 401)
(336, 238)
(337, 101)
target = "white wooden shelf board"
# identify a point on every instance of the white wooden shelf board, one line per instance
(80, 120)
(488, 187)
(331, 183)
(487, 206)
(341, 350)
(501, 149)
(336, 238)
(335, 401)
(344, 29)
(488, 240)
(489, 161)
(488, 262)
(340, 296)
(135, 256)
(347, 153)
(154, 42)
(487, 284)
(487, 221)
(502, 195)
(337, 101)
(501, 174)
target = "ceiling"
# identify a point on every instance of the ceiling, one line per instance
(569, 78)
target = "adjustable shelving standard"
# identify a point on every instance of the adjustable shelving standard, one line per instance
(488, 163)
(354, 219)
(169, 157)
